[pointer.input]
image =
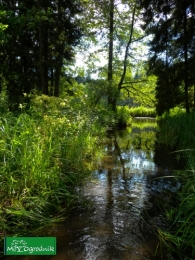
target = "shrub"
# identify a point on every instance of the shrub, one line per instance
(123, 116)
(44, 154)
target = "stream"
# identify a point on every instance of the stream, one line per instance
(123, 200)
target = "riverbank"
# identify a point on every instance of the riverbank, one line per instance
(46, 152)
(120, 202)
(177, 133)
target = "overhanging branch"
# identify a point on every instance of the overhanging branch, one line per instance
(132, 82)
(136, 90)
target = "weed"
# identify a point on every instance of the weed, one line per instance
(178, 132)
(45, 152)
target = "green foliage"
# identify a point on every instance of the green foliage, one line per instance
(123, 116)
(38, 41)
(176, 111)
(173, 112)
(45, 152)
(142, 112)
(106, 20)
(97, 91)
(169, 88)
(3, 97)
(140, 90)
(179, 238)
(177, 131)
(2, 26)
(171, 50)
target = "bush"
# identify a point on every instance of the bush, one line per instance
(44, 154)
(123, 116)
(176, 111)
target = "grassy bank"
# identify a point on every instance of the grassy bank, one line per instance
(45, 153)
(177, 131)
(142, 112)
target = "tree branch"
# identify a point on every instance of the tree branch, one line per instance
(132, 82)
(126, 51)
(139, 39)
(137, 90)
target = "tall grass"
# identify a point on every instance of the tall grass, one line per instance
(142, 112)
(178, 132)
(44, 154)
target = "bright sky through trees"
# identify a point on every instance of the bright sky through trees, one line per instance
(95, 56)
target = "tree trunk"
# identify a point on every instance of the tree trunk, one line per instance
(126, 51)
(45, 62)
(43, 83)
(111, 98)
(194, 92)
(58, 68)
(186, 70)
(59, 56)
(57, 80)
(51, 91)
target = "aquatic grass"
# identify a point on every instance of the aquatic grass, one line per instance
(180, 237)
(178, 132)
(43, 157)
(142, 112)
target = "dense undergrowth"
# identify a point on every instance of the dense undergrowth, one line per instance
(46, 151)
(177, 131)
(123, 116)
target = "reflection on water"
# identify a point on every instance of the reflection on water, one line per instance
(123, 197)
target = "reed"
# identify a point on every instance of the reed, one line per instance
(178, 132)
(142, 112)
(43, 157)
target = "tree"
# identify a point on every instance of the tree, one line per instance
(113, 24)
(172, 25)
(40, 35)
